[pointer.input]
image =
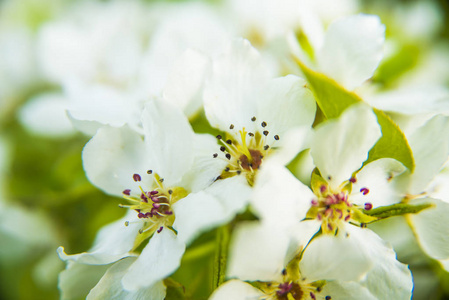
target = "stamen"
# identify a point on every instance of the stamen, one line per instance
(353, 180)
(323, 188)
(264, 124)
(265, 132)
(276, 137)
(228, 156)
(312, 295)
(127, 192)
(328, 298)
(250, 134)
(215, 155)
(368, 206)
(150, 172)
(218, 137)
(253, 119)
(222, 148)
(266, 147)
(137, 177)
(126, 223)
(229, 142)
(364, 191)
(231, 127)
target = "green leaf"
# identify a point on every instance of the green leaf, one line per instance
(392, 144)
(333, 99)
(392, 68)
(398, 209)
(175, 290)
(221, 255)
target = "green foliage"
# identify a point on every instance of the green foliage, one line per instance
(398, 209)
(402, 61)
(333, 99)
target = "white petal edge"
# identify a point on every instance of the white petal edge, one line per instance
(110, 287)
(352, 49)
(236, 290)
(340, 146)
(160, 258)
(111, 158)
(169, 139)
(113, 242)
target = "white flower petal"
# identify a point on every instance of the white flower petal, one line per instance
(279, 197)
(236, 290)
(234, 194)
(77, 280)
(196, 213)
(113, 242)
(232, 92)
(388, 279)
(431, 228)
(215, 205)
(377, 177)
(290, 144)
(110, 287)
(101, 103)
(46, 115)
(439, 187)
(340, 146)
(430, 146)
(169, 138)
(111, 158)
(342, 257)
(184, 83)
(352, 49)
(412, 100)
(257, 252)
(339, 290)
(205, 168)
(160, 258)
(289, 91)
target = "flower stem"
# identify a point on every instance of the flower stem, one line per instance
(221, 255)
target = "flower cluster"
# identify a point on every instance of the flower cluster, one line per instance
(264, 141)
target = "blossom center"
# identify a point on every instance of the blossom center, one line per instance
(334, 208)
(154, 206)
(245, 154)
(289, 290)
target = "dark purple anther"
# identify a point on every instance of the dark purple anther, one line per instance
(330, 226)
(284, 288)
(347, 218)
(160, 229)
(154, 193)
(364, 191)
(156, 205)
(148, 215)
(137, 177)
(368, 206)
(312, 295)
(353, 180)
(141, 215)
(144, 198)
(319, 217)
(323, 188)
(314, 202)
(340, 213)
(127, 192)
(169, 212)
